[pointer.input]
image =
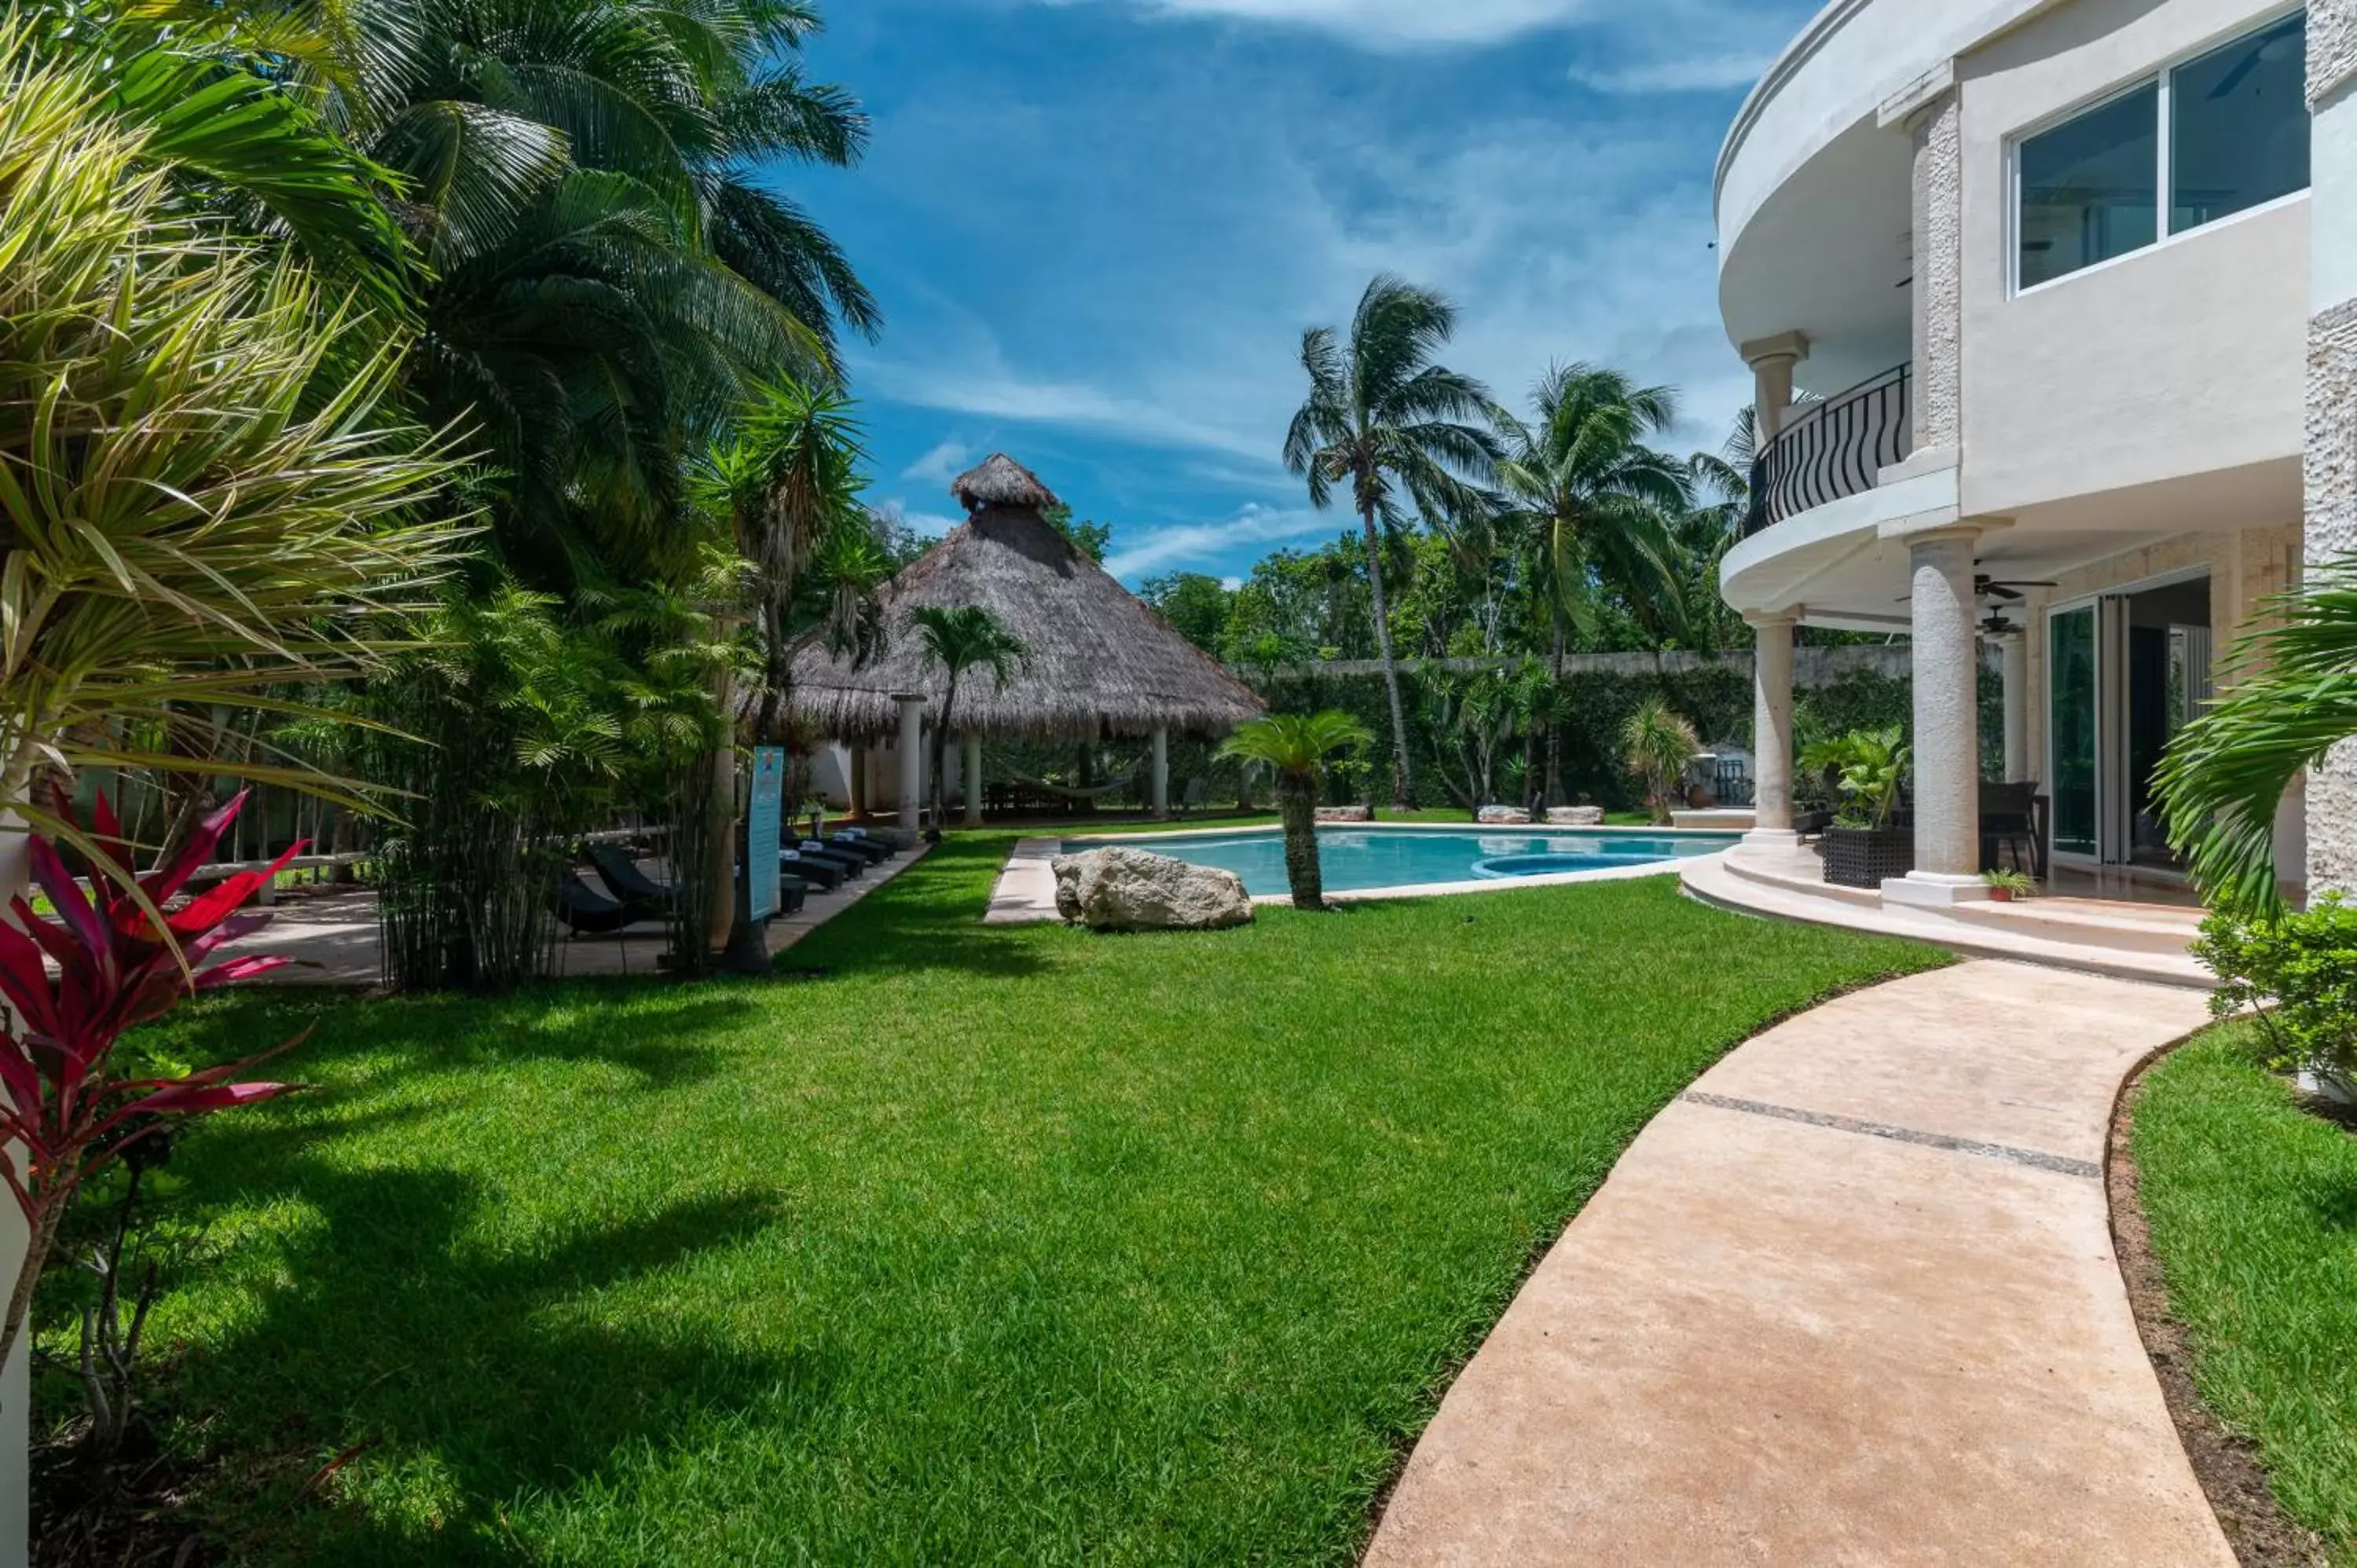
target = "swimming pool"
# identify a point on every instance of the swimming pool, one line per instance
(1357, 860)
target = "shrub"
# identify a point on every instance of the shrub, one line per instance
(2297, 975)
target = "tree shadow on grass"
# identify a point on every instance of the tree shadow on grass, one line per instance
(474, 1374)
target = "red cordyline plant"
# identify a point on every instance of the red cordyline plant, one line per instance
(63, 1111)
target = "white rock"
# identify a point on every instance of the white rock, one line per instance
(1576, 816)
(1502, 816)
(1346, 813)
(1123, 889)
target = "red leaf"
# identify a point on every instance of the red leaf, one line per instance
(161, 885)
(208, 910)
(185, 1100)
(66, 897)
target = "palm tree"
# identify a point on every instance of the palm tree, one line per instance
(956, 640)
(1596, 508)
(1656, 745)
(1382, 418)
(203, 500)
(2290, 696)
(1296, 747)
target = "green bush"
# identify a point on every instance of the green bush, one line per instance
(2297, 975)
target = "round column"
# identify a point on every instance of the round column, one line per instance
(913, 760)
(1947, 729)
(2019, 768)
(973, 780)
(1771, 730)
(1160, 798)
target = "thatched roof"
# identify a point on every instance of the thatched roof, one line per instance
(1100, 661)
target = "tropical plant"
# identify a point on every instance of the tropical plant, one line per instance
(1656, 745)
(2013, 885)
(2289, 696)
(1870, 772)
(956, 640)
(1386, 421)
(201, 500)
(68, 1110)
(1296, 747)
(2296, 975)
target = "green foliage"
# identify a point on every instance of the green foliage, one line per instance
(1656, 745)
(1215, 1210)
(1297, 744)
(2296, 975)
(1093, 540)
(1869, 768)
(1197, 607)
(2016, 884)
(2289, 696)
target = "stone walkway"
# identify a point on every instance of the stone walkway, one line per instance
(1850, 1300)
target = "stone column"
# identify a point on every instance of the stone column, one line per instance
(2331, 466)
(857, 784)
(1936, 240)
(1772, 360)
(1160, 799)
(2019, 768)
(1771, 730)
(973, 780)
(913, 760)
(1947, 797)
(953, 759)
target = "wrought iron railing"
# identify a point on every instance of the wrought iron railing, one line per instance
(1834, 448)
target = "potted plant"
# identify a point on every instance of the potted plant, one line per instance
(2008, 887)
(1863, 848)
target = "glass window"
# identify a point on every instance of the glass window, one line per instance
(2071, 712)
(2238, 133)
(2090, 187)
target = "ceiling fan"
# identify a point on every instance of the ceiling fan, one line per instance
(2007, 588)
(1996, 625)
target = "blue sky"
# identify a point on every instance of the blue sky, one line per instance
(1099, 227)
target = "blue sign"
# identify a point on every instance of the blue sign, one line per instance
(762, 823)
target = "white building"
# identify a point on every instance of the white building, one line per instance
(2076, 284)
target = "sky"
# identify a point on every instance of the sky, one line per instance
(1099, 228)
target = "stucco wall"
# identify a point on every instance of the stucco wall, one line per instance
(2181, 359)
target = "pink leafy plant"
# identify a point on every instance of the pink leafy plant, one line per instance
(75, 984)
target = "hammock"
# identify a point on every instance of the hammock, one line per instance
(1064, 792)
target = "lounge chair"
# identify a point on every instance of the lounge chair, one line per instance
(829, 875)
(858, 841)
(588, 913)
(621, 873)
(853, 864)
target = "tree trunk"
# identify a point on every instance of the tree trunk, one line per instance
(1553, 796)
(1297, 802)
(941, 756)
(1400, 798)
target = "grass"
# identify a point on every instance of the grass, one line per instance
(2253, 1204)
(990, 1244)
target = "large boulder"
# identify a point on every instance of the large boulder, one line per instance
(1346, 813)
(1576, 816)
(1502, 816)
(1123, 889)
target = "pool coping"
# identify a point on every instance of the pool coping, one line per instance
(1025, 890)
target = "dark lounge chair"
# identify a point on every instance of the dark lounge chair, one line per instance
(590, 914)
(853, 864)
(621, 873)
(828, 873)
(876, 852)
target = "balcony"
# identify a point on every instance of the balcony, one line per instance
(1832, 450)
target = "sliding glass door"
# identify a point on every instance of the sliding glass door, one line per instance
(2074, 723)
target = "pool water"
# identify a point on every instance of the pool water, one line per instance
(1355, 860)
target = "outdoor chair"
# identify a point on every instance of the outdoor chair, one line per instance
(623, 875)
(589, 913)
(853, 864)
(2009, 822)
(828, 873)
(875, 852)
(1193, 797)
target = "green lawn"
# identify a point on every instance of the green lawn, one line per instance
(2253, 1204)
(1014, 1245)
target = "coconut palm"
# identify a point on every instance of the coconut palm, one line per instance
(201, 499)
(1596, 507)
(2290, 696)
(1656, 745)
(1383, 419)
(1296, 746)
(957, 640)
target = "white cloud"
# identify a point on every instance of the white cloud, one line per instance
(1231, 582)
(1196, 542)
(1391, 23)
(923, 524)
(953, 385)
(940, 465)
(1687, 73)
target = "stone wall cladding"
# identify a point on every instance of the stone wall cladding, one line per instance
(1939, 131)
(2331, 46)
(2332, 480)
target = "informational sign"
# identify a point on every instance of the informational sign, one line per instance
(763, 821)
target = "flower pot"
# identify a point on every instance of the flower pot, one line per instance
(2000, 894)
(1865, 857)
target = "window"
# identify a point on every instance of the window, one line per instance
(2090, 187)
(2238, 133)
(2220, 133)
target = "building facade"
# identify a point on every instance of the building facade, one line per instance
(2052, 310)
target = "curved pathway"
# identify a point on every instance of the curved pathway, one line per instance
(1850, 1300)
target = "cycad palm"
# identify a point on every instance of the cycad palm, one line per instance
(1657, 745)
(958, 639)
(1384, 420)
(1295, 746)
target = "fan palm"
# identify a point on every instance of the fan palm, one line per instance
(2290, 697)
(1657, 745)
(1296, 746)
(1598, 509)
(958, 639)
(1387, 422)
(201, 501)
